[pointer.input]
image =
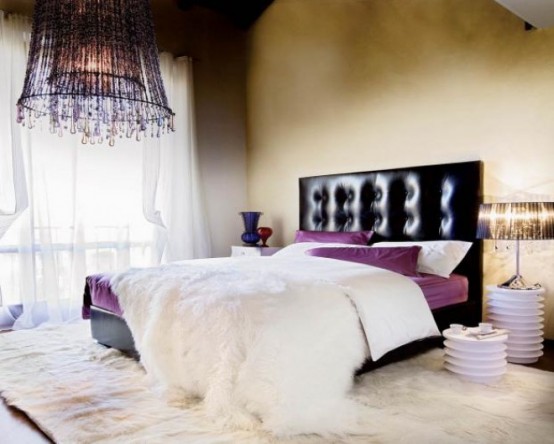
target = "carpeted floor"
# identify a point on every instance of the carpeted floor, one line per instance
(80, 392)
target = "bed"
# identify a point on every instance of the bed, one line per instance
(407, 205)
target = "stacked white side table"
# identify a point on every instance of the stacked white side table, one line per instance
(477, 360)
(521, 312)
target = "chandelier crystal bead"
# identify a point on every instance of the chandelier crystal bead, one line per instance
(93, 68)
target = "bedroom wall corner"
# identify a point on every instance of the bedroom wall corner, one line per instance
(355, 85)
(218, 50)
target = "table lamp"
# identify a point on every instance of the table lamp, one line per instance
(516, 221)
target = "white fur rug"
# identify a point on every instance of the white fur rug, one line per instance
(79, 392)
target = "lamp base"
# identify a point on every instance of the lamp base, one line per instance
(516, 282)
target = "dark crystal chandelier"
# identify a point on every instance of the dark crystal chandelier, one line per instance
(93, 68)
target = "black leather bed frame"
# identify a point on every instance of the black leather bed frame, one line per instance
(420, 203)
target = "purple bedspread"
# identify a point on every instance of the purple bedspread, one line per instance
(99, 293)
(438, 291)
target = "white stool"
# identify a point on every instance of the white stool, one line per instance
(521, 312)
(477, 360)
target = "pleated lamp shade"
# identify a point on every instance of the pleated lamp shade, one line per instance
(516, 221)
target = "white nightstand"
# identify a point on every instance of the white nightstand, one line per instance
(253, 251)
(521, 312)
(477, 360)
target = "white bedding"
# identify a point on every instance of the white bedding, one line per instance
(275, 339)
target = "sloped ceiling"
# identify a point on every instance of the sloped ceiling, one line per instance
(539, 13)
(242, 13)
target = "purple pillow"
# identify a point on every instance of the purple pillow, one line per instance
(337, 237)
(402, 260)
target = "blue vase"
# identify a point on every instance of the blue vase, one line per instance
(250, 220)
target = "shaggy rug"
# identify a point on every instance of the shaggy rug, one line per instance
(80, 392)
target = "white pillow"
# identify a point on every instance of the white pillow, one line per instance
(439, 257)
(300, 248)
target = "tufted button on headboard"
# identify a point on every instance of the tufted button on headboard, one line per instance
(420, 203)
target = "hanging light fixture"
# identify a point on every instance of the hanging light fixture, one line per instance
(93, 68)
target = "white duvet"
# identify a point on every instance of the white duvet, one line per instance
(274, 340)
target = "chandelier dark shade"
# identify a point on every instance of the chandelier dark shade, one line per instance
(516, 221)
(93, 68)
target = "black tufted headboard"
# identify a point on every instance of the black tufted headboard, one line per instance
(420, 203)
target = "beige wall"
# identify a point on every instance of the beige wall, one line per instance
(352, 85)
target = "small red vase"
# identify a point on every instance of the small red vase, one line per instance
(265, 233)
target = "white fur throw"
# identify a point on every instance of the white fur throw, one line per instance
(276, 340)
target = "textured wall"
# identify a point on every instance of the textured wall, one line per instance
(352, 85)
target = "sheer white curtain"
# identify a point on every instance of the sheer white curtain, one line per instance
(13, 186)
(172, 192)
(13, 189)
(87, 204)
